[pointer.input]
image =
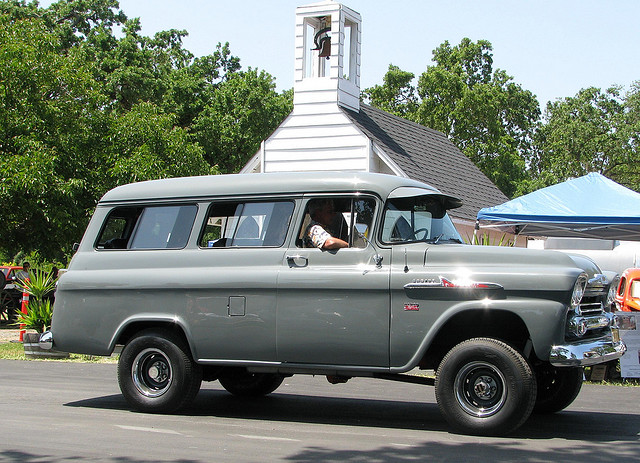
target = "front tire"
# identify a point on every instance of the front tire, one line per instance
(557, 388)
(156, 373)
(240, 382)
(485, 387)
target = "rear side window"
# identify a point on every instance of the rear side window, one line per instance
(152, 227)
(256, 223)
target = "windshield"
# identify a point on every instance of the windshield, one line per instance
(418, 218)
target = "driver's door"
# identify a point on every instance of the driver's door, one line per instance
(333, 306)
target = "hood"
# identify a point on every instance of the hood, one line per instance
(517, 269)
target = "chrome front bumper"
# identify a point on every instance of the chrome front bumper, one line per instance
(590, 352)
(46, 340)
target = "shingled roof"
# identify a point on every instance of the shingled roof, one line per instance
(429, 156)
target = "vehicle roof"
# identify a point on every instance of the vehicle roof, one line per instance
(264, 183)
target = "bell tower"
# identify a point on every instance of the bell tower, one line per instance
(327, 57)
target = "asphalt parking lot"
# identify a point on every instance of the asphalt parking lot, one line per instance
(61, 411)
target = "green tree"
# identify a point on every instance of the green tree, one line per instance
(50, 138)
(243, 111)
(83, 110)
(146, 144)
(594, 131)
(487, 115)
(396, 95)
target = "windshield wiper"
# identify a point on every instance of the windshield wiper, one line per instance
(437, 239)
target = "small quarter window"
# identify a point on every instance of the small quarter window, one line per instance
(153, 227)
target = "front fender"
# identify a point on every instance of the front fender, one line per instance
(544, 320)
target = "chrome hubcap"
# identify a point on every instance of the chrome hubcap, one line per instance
(480, 389)
(151, 373)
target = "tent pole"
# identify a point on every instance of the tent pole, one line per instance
(475, 232)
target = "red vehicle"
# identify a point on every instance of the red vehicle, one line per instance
(628, 296)
(10, 296)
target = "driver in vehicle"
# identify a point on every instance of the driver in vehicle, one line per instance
(319, 233)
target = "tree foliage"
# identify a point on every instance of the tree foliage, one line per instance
(498, 124)
(594, 131)
(87, 103)
(487, 115)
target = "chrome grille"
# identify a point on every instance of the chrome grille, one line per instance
(591, 304)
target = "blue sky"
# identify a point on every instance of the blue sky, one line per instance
(550, 47)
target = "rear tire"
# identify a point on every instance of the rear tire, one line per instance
(240, 382)
(156, 373)
(485, 387)
(557, 388)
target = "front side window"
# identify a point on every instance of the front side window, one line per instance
(350, 220)
(418, 218)
(152, 227)
(240, 224)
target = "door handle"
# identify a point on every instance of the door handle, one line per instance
(297, 261)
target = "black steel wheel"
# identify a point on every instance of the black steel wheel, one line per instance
(557, 387)
(156, 372)
(240, 382)
(485, 387)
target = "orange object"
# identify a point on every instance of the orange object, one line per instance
(25, 304)
(628, 295)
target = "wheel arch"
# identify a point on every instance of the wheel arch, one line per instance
(131, 327)
(503, 325)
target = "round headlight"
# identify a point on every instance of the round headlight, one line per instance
(578, 291)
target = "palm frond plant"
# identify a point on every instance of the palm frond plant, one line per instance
(40, 285)
(484, 239)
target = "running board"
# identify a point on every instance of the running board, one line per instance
(406, 378)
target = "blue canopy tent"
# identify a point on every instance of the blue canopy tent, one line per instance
(591, 206)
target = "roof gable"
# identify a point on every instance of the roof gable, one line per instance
(429, 156)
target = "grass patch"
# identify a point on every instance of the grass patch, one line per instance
(15, 351)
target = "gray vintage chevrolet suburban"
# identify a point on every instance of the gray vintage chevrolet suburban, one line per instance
(211, 278)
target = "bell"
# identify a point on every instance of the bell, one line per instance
(325, 48)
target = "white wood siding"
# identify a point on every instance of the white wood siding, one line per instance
(332, 88)
(307, 142)
(317, 135)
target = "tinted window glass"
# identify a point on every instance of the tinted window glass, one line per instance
(164, 227)
(153, 227)
(258, 223)
(118, 228)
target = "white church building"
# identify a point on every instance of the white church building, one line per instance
(329, 128)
